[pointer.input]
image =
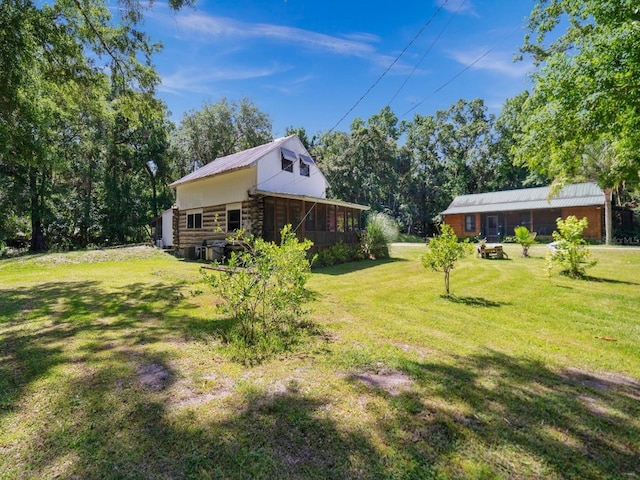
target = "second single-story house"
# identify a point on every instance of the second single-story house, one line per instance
(260, 190)
(494, 215)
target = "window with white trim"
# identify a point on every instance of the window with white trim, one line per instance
(304, 169)
(288, 157)
(234, 217)
(305, 165)
(194, 220)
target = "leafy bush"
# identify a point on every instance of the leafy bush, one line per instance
(374, 242)
(444, 252)
(337, 254)
(263, 288)
(569, 250)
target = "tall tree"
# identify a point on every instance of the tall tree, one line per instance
(509, 174)
(53, 62)
(586, 90)
(361, 166)
(427, 194)
(464, 135)
(220, 129)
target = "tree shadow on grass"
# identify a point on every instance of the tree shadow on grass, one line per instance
(125, 429)
(351, 267)
(589, 278)
(569, 424)
(40, 325)
(474, 301)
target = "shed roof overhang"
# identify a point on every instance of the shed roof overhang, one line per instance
(310, 199)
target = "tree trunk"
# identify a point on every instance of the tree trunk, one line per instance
(446, 281)
(37, 232)
(608, 216)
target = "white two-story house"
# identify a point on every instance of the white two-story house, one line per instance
(260, 190)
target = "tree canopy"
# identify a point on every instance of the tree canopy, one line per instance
(586, 90)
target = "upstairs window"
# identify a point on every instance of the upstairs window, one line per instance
(304, 169)
(305, 164)
(288, 157)
(194, 220)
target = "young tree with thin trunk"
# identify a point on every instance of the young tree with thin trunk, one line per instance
(444, 252)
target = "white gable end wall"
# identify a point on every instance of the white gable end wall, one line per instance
(272, 178)
(231, 187)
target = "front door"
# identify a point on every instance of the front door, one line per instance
(492, 228)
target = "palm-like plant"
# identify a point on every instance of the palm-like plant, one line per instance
(525, 238)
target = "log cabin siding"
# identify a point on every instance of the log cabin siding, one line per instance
(214, 225)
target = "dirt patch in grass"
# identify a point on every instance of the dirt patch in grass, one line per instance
(187, 396)
(153, 376)
(605, 382)
(394, 383)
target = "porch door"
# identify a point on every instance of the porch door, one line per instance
(492, 228)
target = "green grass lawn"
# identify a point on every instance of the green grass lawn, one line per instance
(111, 366)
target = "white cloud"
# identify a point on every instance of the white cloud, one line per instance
(292, 86)
(496, 62)
(200, 80)
(221, 27)
(465, 7)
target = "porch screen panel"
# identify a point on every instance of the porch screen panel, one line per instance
(269, 222)
(322, 224)
(310, 217)
(544, 221)
(331, 218)
(321, 216)
(295, 216)
(281, 216)
(310, 221)
(356, 219)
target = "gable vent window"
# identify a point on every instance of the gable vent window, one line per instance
(305, 164)
(288, 157)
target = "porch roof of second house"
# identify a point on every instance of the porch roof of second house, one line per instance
(574, 195)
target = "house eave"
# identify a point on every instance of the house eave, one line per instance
(308, 198)
(212, 175)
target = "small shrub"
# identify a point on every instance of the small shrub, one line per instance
(381, 230)
(263, 289)
(444, 252)
(570, 252)
(374, 242)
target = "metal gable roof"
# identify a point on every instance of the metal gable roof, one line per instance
(574, 195)
(235, 161)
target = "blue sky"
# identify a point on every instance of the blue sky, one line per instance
(307, 62)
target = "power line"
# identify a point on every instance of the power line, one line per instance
(487, 52)
(460, 5)
(389, 67)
